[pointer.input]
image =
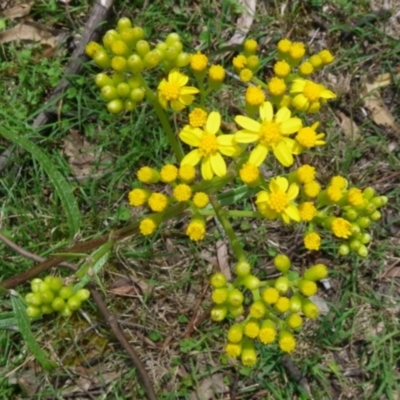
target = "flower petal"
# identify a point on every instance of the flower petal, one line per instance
(278, 184)
(293, 191)
(262, 197)
(213, 122)
(218, 164)
(293, 212)
(283, 154)
(206, 169)
(295, 147)
(190, 136)
(258, 155)
(292, 125)
(192, 158)
(327, 94)
(176, 77)
(246, 136)
(282, 115)
(228, 146)
(298, 86)
(248, 123)
(266, 111)
(177, 105)
(188, 90)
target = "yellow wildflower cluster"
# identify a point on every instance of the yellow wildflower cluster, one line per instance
(276, 312)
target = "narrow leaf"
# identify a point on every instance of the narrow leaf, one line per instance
(7, 320)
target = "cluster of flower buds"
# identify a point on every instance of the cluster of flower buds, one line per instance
(277, 309)
(50, 295)
(127, 54)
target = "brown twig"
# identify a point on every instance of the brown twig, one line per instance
(110, 319)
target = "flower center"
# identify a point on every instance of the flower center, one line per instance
(170, 91)
(307, 137)
(278, 201)
(269, 134)
(208, 144)
(312, 91)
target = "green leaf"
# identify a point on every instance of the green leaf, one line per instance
(236, 195)
(7, 319)
(61, 185)
(23, 323)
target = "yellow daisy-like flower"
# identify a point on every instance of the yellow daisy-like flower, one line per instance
(235, 333)
(309, 95)
(310, 310)
(249, 173)
(338, 181)
(294, 321)
(312, 189)
(312, 241)
(287, 342)
(233, 350)
(307, 211)
(201, 200)
(157, 202)
(341, 228)
(240, 61)
(174, 92)
(251, 328)
(267, 332)
(246, 75)
(307, 288)
(198, 62)
(197, 118)
(209, 147)
(282, 69)
(147, 226)
(196, 230)
(297, 51)
(254, 96)
(270, 133)
(282, 305)
(138, 197)
(307, 137)
(334, 193)
(279, 200)
(216, 73)
(355, 197)
(276, 86)
(249, 355)
(270, 295)
(250, 46)
(148, 175)
(326, 57)
(305, 173)
(257, 309)
(187, 173)
(219, 295)
(284, 46)
(168, 173)
(306, 68)
(315, 61)
(182, 192)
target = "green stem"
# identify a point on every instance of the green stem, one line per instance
(220, 213)
(176, 147)
(234, 213)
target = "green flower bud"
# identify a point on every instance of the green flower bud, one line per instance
(134, 82)
(129, 105)
(351, 214)
(102, 59)
(307, 288)
(110, 37)
(218, 280)
(242, 269)
(365, 238)
(119, 48)
(376, 216)
(115, 106)
(282, 263)
(248, 355)
(282, 284)
(253, 62)
(119, 64)
(316, 272)
(295, 304)
(251, 282)
(152, 59)
(109, 92)
(370, 208)
(178, 46)
(236, 311)
(55, 284)
(66, 292)
(258, 309)
(35, 284)
(82, 294)
(142, 47)
(172, 38)
(66, 311)
(379, 201)
(182, 60)
(363, 222)
(46, 296)
(362, 251)
(117, 78)
(139, 33)
(355, 228)
(123, 23)
(137, 95)
(58, 304)
(44, 286)
(219, 312)
(33, 312)
(171, 53)
(220, 295)
(369, 193)
(135, 64)
(235, 298)
(46, 309)
(129, 37)
(310, 310)
(355, 245)
(123, 90)
(74, 303)
(344, 250)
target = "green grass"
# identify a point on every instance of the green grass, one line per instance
(353, 350)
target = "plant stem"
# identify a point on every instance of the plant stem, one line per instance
(234, 213)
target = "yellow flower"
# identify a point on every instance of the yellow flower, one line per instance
(233, 350)
(312, 241)
(306, 68)
(249, 173)
(138, 197)
(168, 173)
(297, 51)
(270, 295)
(235, 333)
(147, 226)
(267, 332)
(219, 295)
(198, 62)
(182, 192)
(209, 147)
(216, 73)
(251, 328)
(249, 355)
(92, 48)
(305, 173)
(338, 181)
(312, 189)
(257, 309)
(307, 211)
(158, 202)
(196, 230)
(148, 175)
(326, 57)
(341, 228)
(282, 69)
(287, 342)
(197, 118)
(175, 92)
(307, 288)
(276, 86)
(254, 96)
(307, 137)
(315, 61)
(201, 200)
(294, 321)
(240, 61)
(187, 173)
(279, 200)
(282, 305)
(250, 46)
(270, 133)
(355, 197)
(245, 75)
(310, 310)
(309, 95)
(284, 46)
(334, 193)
